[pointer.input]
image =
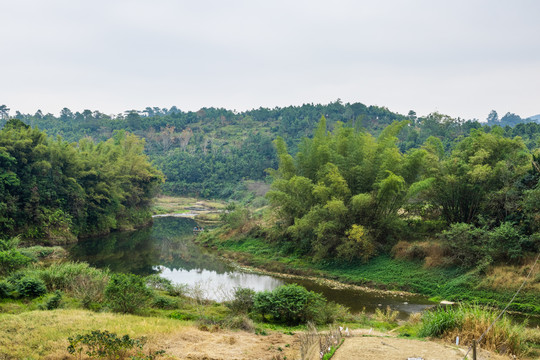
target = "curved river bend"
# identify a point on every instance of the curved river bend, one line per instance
(167, 248)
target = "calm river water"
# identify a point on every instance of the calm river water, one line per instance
(167, 248)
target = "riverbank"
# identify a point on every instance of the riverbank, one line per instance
(206, 211)
(383, 273)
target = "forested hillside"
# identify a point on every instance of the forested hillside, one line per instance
(209, 152)
(53, 191)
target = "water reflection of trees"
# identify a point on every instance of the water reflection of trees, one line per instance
(168, 243)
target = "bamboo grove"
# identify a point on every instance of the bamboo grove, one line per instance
(54, 191)
(347, 194)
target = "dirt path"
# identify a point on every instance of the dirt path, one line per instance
(193, 344)
(390, 348)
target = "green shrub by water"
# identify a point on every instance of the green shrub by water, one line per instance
(436, 323)
(127, 293)
(291, 304)
(64, 276)
(470, 322)
(54, 302)
(30, 287)
(242, 302)
(11, 260)
(164, 302)
(5, 289)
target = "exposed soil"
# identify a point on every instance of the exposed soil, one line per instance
(193, 344)
(390, 348)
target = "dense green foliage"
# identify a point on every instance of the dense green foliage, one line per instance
(29, 287)
(291, 304)
(347, 195)
(208, 152)
(51, 189)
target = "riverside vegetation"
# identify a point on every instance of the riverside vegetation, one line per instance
(444, 216)
(353, 207)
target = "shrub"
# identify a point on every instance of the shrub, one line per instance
(388, 315)
(5, 289)
(30, 287)
(163, 302)
(127, 293)
(65, 276)
(242, 302)
(40, 252)
(104, 344)
(11, 260)
(241, 322)
(157, 282)
(333, 312)
(466, 243)
(181, 316)
(54, 302)
(469, 322)
(90, 289)
(291, 304)
(177, 289)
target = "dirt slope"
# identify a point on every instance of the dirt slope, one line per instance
(390, 348)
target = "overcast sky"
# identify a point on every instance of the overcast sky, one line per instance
(461, 58)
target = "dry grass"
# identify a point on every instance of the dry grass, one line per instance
(43, 335)
(433, 253)
(504, 337)
(178, 205)
(470, 322)
(511, 277)
(388, 315)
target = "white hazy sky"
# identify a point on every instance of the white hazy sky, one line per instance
(461, 58)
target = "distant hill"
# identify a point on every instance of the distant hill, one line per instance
(212, 151)
(535, 118)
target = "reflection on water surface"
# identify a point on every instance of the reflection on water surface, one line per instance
(167, 248)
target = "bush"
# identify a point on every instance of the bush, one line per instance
(5, 289)
(156, 282)
(11, 260)
(30, 287)
(177, 290)
(104, 344)
(240, 322)
(333, 312)
(242, 302)
(291, 304)
(40, 252)
(127, 293)
(182, 316)
(162, 302)
(54, 302)
(469, 322)
(65, 276)
(90, 289)
(387, 316)
(466, 244)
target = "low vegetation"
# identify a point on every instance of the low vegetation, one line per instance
(470, 322)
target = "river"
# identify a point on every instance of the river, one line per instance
(167, 248)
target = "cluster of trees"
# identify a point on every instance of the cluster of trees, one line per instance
(208, 152)
(52, 189)
(347, 194)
